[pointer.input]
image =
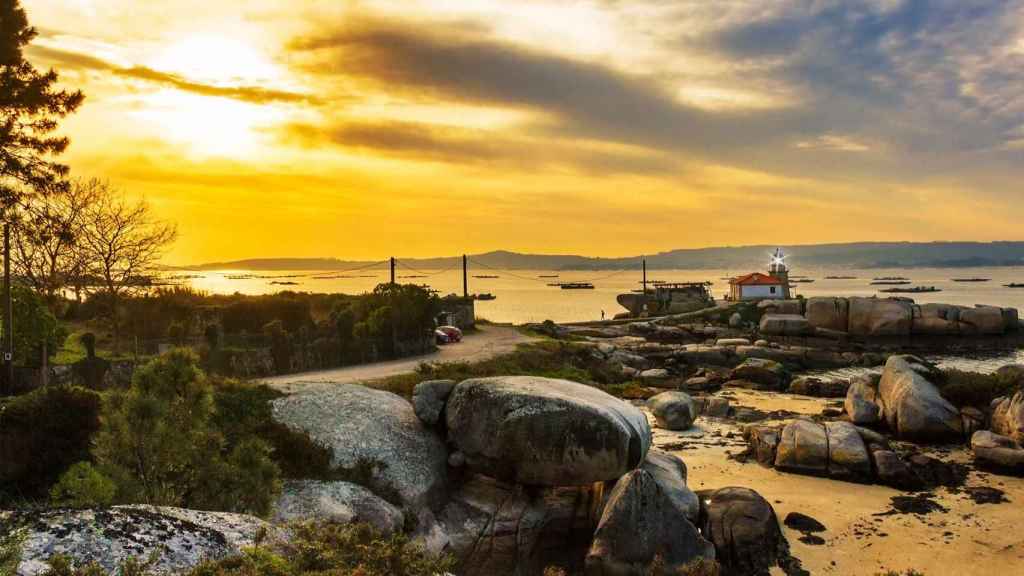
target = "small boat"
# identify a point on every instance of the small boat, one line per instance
(840, 277)
(484, 297)
(914, 290)
(1014, 285)
(288, 283)
(804, 280)
(485, 276)
(972, 279)
(555, 284)
(548, 276)
(891, 278)
(576, 286)
(891, 283)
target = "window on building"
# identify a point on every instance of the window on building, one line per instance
(772, 289)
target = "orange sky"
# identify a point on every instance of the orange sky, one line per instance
(420, 128)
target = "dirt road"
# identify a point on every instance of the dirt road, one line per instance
(487, 342)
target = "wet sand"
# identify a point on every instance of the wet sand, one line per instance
(967, 539)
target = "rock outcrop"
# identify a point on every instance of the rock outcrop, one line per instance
(912, 406)
(1008, 416)
(803, 448)
(673, 410)
(828, 313)
(784, 325)
(428, 399)
(500, 529)
(180, 539)
(847, 455)
(641, 523)
(879, 317)
(373, 434)
(766, 374)
(545, 432)
(999, 452)
(744, 530)
(861, 402)
(338, 502)
(669, 471)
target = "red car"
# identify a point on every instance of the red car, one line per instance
(454, 334)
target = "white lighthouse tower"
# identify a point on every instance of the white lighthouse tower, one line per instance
(777, 268)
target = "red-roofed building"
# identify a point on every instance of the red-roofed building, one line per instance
(758, 286)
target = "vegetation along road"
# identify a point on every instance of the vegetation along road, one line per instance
(487, 342)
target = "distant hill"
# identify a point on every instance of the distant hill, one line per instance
(853, 255)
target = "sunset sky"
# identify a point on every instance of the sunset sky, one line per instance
(366, 129)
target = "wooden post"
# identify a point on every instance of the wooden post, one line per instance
(645, 274)
(8, 347)
(465, 278)
(392, 269)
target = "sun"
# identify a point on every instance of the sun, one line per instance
(217, 60)
(210, 125)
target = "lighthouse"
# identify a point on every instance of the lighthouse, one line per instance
(778, 269)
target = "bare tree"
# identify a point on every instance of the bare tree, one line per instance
(47, 243)
(122, 243)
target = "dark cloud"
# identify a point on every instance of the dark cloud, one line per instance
(76, 60)
(476, 147)
(587, 99)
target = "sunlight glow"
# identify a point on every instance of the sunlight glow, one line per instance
(209, 126)
(218, 60)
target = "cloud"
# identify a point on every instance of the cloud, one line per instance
(76, 60)
(475, 147)
(836, 142)
(587, 100)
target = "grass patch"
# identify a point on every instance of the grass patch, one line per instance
(964, 389)
(73, 350)
(548, 359)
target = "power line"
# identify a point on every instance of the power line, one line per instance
(435, 273)
(356, 269)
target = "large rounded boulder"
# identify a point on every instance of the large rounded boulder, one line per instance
(546, 432)
(375, 438)
(744, 530)
(912, 406)
(337, 502)
(673, 410)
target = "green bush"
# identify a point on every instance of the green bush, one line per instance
(964, 389)
(83, 486)
(42, 433)
(549, 359)
(159, 444)
(243, 411)
(34, 326)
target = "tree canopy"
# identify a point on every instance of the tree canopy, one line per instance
(30, 107)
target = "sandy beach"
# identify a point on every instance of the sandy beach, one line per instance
(864, 535)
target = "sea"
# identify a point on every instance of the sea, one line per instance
(524, 296)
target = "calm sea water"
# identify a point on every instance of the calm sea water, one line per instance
(523, 296)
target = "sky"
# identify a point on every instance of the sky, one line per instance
(411, 128)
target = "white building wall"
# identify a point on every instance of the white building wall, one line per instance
(761, 292)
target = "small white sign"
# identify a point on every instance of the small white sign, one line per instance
(8, 357)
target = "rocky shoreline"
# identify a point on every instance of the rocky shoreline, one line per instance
(720, 426)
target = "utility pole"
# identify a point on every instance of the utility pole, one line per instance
(8, 358)
(392, 269)
(465, 278)
(645, 273)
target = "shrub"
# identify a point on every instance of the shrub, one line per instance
(549, 359)
(160, 445)
(42, 433)
(973, 389)
(10, 554)
(83, 486)
(34, 326)
(243, 411)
